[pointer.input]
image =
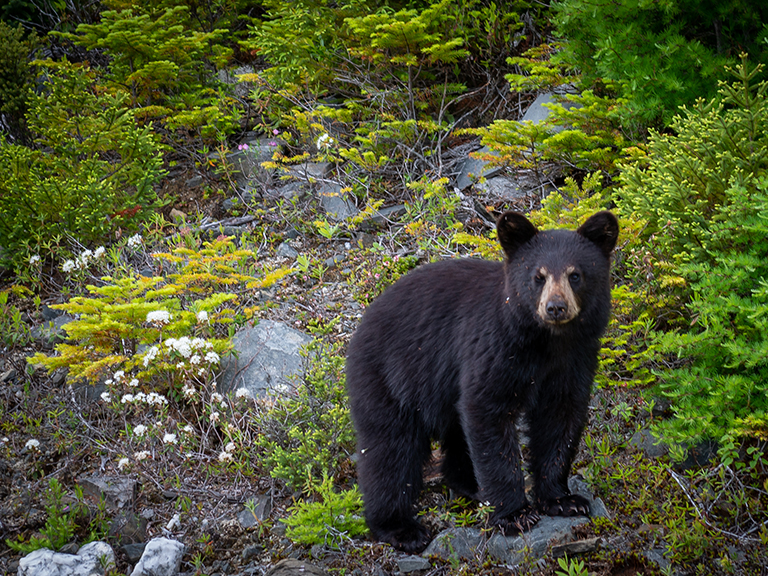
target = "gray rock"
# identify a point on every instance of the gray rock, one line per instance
(413, 564)
(548, 531)
(311, 171)
(286, 251)
(334, 260)
(597, 507)
(577, 547)
(256, 511)
(476, 168)
(84, 391)
(247, 162)
(335, 203)
(644, 440)
(128, 528)
(49, 313)
(699, 455)
(502, 187)
(52, 332)
(161, 557)
(240, 88)
(91, 559)
(194, 182)
(267, 356)
(657, 557)
(294, 567)
(456, 543)
(8, 376)
(69, 548)
(251, 552)
(133, 552)
(118, 492)
(288, 191)
(388, 214)
(537, 112)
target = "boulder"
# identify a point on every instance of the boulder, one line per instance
(266, 357)
(93, 558)
(161, 557)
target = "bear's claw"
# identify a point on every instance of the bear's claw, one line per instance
(572, 505)
(519, 521)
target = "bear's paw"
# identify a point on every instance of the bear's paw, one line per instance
(571, 505)
(521, 520)
(410, 538)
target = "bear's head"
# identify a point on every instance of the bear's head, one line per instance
(559, 275)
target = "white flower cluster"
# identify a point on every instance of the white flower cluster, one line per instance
(226, 454)
(139, 430)
(134, 241)
(193, 350)
(153, 399)
(32, 444)
(117, 378)
(325, 141)
(141, 455)
(158, 317)
(186, 346)
(202, 317)
(123, 463)
(150, 355)
(34, 259)
(82, 261)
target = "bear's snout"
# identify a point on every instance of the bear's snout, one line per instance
(557, 310)
(557, 302)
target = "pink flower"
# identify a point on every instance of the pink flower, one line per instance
(275, 131)
(242, 146)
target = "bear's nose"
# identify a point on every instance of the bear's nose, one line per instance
(557, 309)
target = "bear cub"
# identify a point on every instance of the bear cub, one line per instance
(456, 351)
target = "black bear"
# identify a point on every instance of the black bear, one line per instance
(456, 351)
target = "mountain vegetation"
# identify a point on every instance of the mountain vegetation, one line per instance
(167, 173)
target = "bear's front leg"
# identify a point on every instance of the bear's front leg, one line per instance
(495, 452)
(555, 427)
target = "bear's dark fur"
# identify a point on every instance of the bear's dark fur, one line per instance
(456, 351)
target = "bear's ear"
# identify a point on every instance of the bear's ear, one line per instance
(602, 229)
(514, 230)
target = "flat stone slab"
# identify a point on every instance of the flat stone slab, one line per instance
(267, 356)
(549, 531)
(456, 543)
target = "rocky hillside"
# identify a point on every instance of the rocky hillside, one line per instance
(206, 481)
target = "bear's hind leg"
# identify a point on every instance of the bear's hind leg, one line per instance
(392, 451)
(457, 468)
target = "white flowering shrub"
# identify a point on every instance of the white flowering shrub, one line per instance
(157, 343)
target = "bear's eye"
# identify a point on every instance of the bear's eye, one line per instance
(574, 277)
(540, 278)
